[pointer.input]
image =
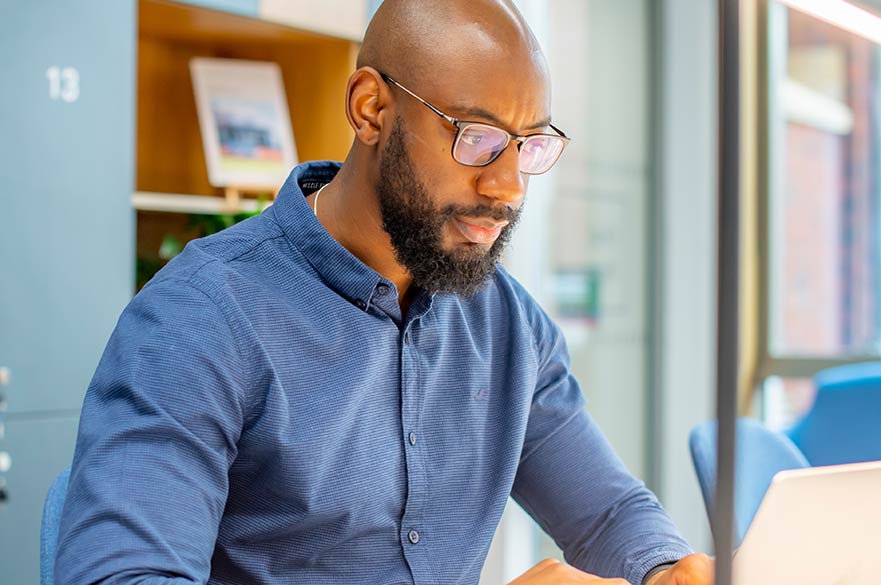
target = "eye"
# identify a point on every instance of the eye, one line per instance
(534, 146)
(472, 138)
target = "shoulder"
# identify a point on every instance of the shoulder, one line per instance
(176, 312)
(215, 258)
(204, 286)
(241, 267)
(521, 304)
(505, 309)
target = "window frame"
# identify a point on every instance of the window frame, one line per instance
(771, 18)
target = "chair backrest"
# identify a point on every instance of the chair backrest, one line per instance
(844, 424)
(49, 527)
(760, 454)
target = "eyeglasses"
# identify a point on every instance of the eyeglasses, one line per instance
(477, 144)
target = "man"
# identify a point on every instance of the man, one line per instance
(346, 389)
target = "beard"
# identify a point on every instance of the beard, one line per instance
(416, 227)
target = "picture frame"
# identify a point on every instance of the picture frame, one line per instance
(244, 121)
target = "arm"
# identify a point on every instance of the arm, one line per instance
(573, 484)
(157, 434)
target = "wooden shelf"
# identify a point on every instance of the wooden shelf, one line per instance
(315, 70)
(174, 21)
(172, 193)
(195, 204)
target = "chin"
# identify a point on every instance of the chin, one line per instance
(467, 249)
(455, 244)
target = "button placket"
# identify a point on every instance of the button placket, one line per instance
(413, 520)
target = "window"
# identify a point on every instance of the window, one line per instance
(823, 267)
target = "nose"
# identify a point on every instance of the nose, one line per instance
(502, 179)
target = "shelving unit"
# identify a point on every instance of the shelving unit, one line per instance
(192, 204)
(171, 173)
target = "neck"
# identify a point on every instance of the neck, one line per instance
(349, 211)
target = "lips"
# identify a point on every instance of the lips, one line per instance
(479, 231)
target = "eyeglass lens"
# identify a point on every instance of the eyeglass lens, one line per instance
(479, 145)
(539, 153)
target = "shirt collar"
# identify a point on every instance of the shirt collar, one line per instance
(340, 268)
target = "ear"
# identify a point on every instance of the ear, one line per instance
(366, 100)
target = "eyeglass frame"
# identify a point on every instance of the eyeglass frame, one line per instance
(461, 125)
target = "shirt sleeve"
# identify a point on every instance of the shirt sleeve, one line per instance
(578, 490)
(157, 435)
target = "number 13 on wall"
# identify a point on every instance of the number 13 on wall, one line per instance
(64, 84)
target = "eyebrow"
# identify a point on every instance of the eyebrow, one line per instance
(473, 111)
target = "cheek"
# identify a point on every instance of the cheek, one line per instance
(445, 181)
(448, 189)
(456, 185)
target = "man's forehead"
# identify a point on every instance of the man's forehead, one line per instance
(518, 104)
(477, 113)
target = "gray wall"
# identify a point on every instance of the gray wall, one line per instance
(686, 262)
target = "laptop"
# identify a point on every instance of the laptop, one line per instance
(815, 526)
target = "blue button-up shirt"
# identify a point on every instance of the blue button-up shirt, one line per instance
(264, 414)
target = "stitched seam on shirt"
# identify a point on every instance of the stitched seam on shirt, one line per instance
(251, 396)
(251, 249)
(296, 245)
(533, 513)
(248, 250)
(513, 285)
(550, 436)
(250, 401)
(189, 281)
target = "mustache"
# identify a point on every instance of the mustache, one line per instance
(498, 213)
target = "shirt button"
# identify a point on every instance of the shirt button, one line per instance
(413, 536)
(412, 438)
(407, 338)
(360, 304)
(382, 289)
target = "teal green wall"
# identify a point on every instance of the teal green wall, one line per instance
(67, 115)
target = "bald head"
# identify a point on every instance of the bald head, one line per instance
(408, 185)
(425, 42)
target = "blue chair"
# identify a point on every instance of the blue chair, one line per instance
(760, 454)
(49, 527)
(844, 424)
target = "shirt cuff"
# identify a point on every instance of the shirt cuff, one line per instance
(655, 571)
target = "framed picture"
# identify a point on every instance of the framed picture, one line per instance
(245, 123)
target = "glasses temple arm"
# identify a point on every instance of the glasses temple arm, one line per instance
(558, 131)
(450, 119)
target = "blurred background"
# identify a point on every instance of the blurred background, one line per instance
(103, 179)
